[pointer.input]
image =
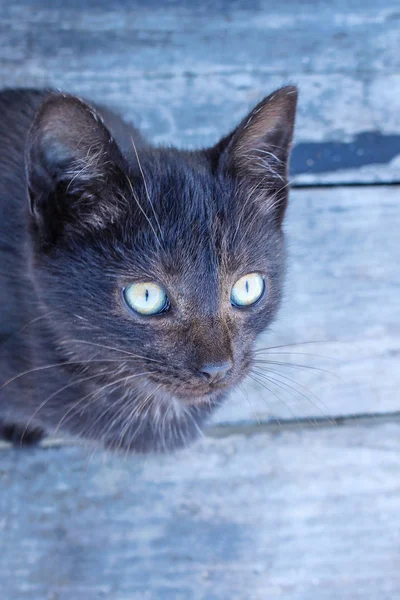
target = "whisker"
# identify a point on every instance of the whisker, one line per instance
(290, 353)
(246, 395)
(294, 344)
(95, 394)
(124, 397)
(294, 366)
(268, 371)
(35, 320)
(145, 187)
(43, 368)
(82, 380)
(113, 348)
(63, 364)
(289, 390)
(285, 388)
(326, 415)
(135, 412)
(268, 350)
(164, 423)
(142, 209)
(189, 413)
(246, 202)
(112, 405)
(279, 398)
(122, 411)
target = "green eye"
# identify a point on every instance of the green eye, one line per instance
(247, 290)
(146, 298)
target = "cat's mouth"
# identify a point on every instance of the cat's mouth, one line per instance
(194, 394)
(192, 390)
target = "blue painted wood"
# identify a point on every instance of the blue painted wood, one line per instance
(187, 72)
(310, 514)
(300, 515)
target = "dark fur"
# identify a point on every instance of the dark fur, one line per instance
(77, 224)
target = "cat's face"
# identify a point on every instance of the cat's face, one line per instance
(161, 272)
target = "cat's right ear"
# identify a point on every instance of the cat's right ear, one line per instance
(71, 162)
(256, 153)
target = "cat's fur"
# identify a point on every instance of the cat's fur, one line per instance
(87, 207)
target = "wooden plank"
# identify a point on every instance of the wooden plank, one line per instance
(319, 38)
(296, 515)
(187, 72)
(343, 287)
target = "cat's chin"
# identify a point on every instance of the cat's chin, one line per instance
(157, 422)
(170, 424)
(195, 396)
(188, 397)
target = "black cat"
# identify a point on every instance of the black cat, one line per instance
(133, 279)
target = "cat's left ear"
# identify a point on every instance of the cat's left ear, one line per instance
(257, 152)
(72, 166)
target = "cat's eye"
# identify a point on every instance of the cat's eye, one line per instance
(146, 298)
(247, 290)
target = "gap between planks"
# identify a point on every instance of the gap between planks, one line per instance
(340, 184)
(247, 428)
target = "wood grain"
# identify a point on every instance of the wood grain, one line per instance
(187, 72)
(295, 515)
(309, 513)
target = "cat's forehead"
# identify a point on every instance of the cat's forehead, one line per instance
(191, 187)
(199, 246)
(192, 221)
(189, 202)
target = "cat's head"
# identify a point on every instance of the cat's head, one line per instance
(158, 267)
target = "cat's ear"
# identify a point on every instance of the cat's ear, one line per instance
(71, 163)
(257, 151)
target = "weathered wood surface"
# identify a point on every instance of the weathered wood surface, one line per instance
(298, 515)
(343, 288)
(309, 513)
(186, 72)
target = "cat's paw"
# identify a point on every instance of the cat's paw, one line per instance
(20, 435)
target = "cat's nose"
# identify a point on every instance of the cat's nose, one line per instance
(215, 372)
